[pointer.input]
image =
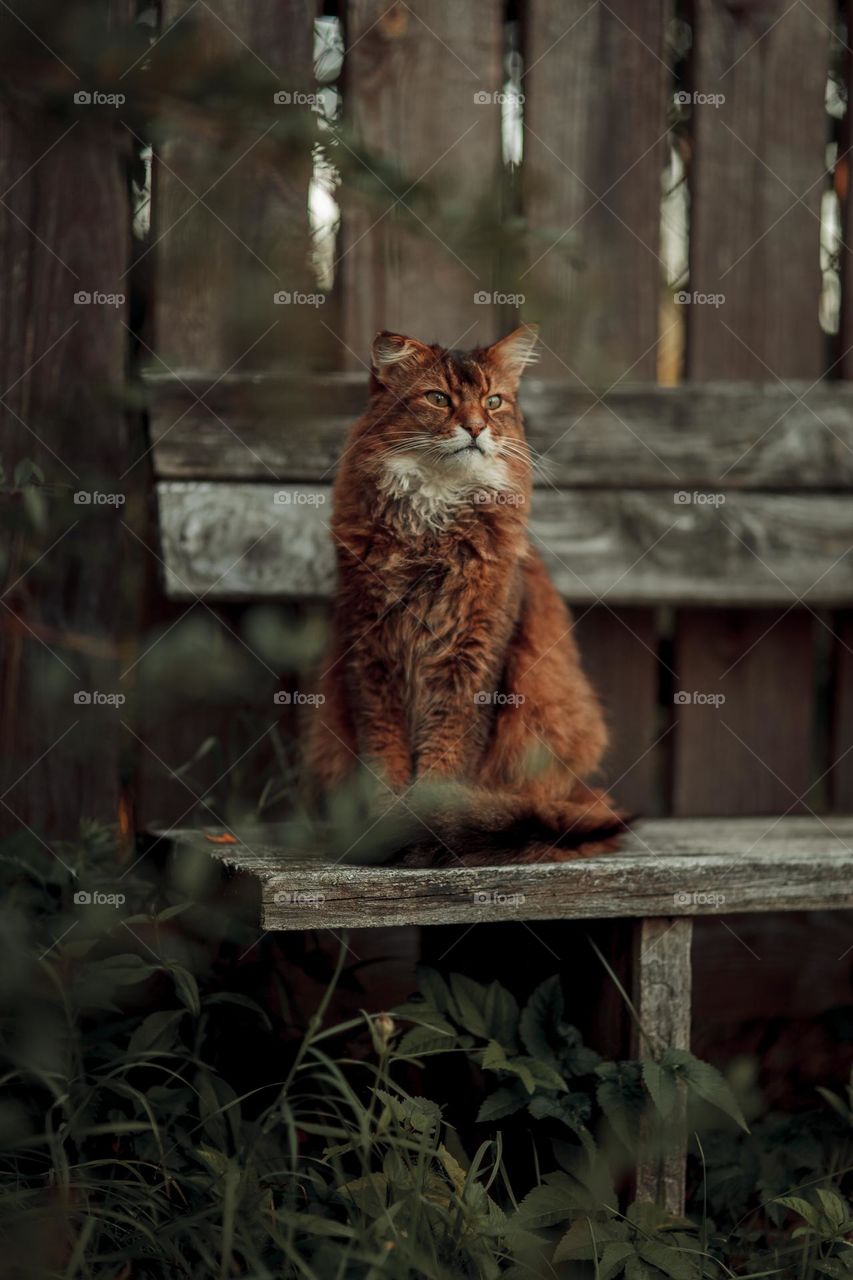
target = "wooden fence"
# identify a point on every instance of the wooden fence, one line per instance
(760, 412)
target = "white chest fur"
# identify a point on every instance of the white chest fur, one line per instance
(430, 497)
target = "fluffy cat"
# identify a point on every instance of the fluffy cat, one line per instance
(453, 658)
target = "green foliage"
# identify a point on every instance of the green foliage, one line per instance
(158, 1119)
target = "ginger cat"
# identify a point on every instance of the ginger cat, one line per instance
(453, 657)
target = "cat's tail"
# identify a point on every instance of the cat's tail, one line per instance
(477, 826)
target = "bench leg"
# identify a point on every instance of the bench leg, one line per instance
(662, 989)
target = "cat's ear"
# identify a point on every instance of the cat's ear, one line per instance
(516, 351)
(392, 352)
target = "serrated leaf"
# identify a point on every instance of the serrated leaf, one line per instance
(705, 1081)
(433, 988)
(503, 1102)
(469, 1002)
(549, 1204)
(798, 1205)
(540, 1019)
(834, 1208)
(612, 1259)
(662, 1087)
(672, 1262)
(587, 1237)
(622, 1098)
(431, 1039)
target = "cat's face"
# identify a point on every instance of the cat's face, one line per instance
(452, 414)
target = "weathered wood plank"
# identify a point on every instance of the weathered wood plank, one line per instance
(841, 728)
(236, 541)
(751, 752)
(620, 654)
(714, 436)
(756, 180)
(676, 867)
(662, 997)
(594, 133)
(414, 76)
(231, 186)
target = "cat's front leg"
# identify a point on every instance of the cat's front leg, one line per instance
(453, 717)
(383, 739)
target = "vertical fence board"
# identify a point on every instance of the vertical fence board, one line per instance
(64, 231)
(223, 258)
(594, 147)
(841, 757)
(767, 681)
(411, 74)
(619, 654)
(756, 181)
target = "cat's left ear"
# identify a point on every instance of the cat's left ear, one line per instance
(516, 351)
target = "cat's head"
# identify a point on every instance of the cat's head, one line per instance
(453, 414)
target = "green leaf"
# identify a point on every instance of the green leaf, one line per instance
(705, 1081)
(661, 1085)
(540, 1019)
(155, 1032)
(503, 1102)
(611, 1261)
(672, 1262)
(433, 988)
(586, 1238)
(834, 1208)
(554, 1201)
(501, 1014)
(431, 1039)
(801, 1207)
(469, 1000)
(622, 1098)
(186, 987)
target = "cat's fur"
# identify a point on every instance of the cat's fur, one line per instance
(453, 657)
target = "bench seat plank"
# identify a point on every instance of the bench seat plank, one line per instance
(670, 867)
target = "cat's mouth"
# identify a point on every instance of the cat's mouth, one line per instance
(467, 448)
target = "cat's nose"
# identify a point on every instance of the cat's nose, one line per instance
(473, 426)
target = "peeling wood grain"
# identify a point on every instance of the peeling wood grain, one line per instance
(239, 541)
(675, 867)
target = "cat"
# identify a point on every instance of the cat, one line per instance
(452, 657)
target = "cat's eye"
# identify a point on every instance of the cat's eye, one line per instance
(494, 402)
(437, 398)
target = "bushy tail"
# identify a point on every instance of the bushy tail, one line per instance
(476, 826)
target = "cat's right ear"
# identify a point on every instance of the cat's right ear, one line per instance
(393, 354)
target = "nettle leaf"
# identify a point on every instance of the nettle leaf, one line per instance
(705, 1081)
(662, 1085)
(503, 1102)
(438, 1037)
(539, 1021)
(433, 988)
(469, 1004)
(636, 1269)
(575, 1058)
(612, 1260)
(587, 1237)
(622, 1098)
(834, 1209)
(501, 1014)
(554, 1201)
(573, 1109)
(494, 1058)
(672, 1262)
(370, 1193)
